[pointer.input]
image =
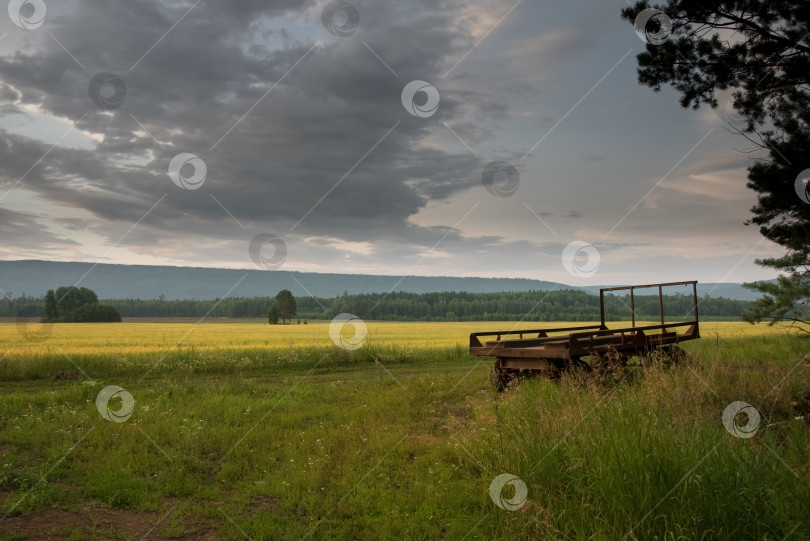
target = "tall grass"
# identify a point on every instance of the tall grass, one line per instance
(649, 457)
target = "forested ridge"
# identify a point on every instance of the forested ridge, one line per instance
(111, 281)
(558, 305)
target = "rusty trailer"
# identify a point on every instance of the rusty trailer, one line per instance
(551, 352)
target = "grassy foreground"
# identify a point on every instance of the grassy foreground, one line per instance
(246, 431)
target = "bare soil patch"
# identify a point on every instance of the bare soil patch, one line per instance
(101, 523)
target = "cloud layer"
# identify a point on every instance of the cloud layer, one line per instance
(303, 134)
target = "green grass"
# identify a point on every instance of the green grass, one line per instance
(395, 442)
(651, 459)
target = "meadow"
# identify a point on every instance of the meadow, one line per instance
(251, 431)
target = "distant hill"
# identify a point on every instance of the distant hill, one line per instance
(110, 281)
(150, 282)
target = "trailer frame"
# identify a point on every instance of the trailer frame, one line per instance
(557, 350)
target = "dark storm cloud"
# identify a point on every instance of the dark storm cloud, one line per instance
(303, 135)
(7, 97)
(274, 165)
(28, 235)
(73, 177)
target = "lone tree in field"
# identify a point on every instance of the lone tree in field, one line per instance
(77, 305)
(272, 315)
(750, 59)
(286, 305)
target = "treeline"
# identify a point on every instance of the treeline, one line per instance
(558, 305)
(25, 306)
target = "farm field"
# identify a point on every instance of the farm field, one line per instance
(136, 337)
(250, 431)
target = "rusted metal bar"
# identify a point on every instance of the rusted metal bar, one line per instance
(602, 307)
(540, 332)
(619, 288)
(661, 303)
(632, 307)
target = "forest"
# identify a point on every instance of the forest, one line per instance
(558, 305)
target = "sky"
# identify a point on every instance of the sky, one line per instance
(460, 138)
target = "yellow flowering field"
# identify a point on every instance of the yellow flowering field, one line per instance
(152, 337)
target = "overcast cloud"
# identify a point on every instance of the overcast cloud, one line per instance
(304, 135)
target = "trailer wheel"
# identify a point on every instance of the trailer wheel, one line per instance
(607, 361)
(577, 367)
(677, 356)
(667, 357)
(499, 377)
